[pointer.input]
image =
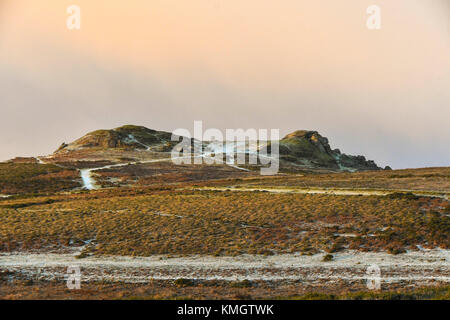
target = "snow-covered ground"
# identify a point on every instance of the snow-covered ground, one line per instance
(88, 181)
(230, 148)
(417, 266)
(132, 139)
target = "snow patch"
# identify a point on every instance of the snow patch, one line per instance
(133, 139)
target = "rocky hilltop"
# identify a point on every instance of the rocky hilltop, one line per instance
(125, 137)
(310, 149)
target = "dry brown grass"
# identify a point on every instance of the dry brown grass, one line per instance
(28, 289)
(151, 221)
(426, 179)
(165, 173)
(19, 178)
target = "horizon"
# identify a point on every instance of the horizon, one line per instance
(283, 136)
(291, 65)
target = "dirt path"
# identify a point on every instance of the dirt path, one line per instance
(420, 267)
(330, 191)
(89, 182)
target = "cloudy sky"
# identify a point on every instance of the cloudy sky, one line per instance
(287, 64)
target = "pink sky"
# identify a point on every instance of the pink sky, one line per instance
(287, 64)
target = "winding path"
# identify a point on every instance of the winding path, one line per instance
(89, 182)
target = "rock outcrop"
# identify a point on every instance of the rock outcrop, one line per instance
(310, 149)
(125, 137)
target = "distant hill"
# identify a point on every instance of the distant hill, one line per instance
(299, 150)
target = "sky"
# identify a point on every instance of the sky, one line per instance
(263, 64)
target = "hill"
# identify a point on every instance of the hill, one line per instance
(310, 149)
(302, 149)
(126, 137)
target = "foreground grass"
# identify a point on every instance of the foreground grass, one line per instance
(427, 293)
(177, 222)
(213, 290)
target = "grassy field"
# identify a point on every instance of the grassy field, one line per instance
(181, 222)
(20, 178)
(163, 211)
(427, 179)
(165, 173)
(199, 290)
